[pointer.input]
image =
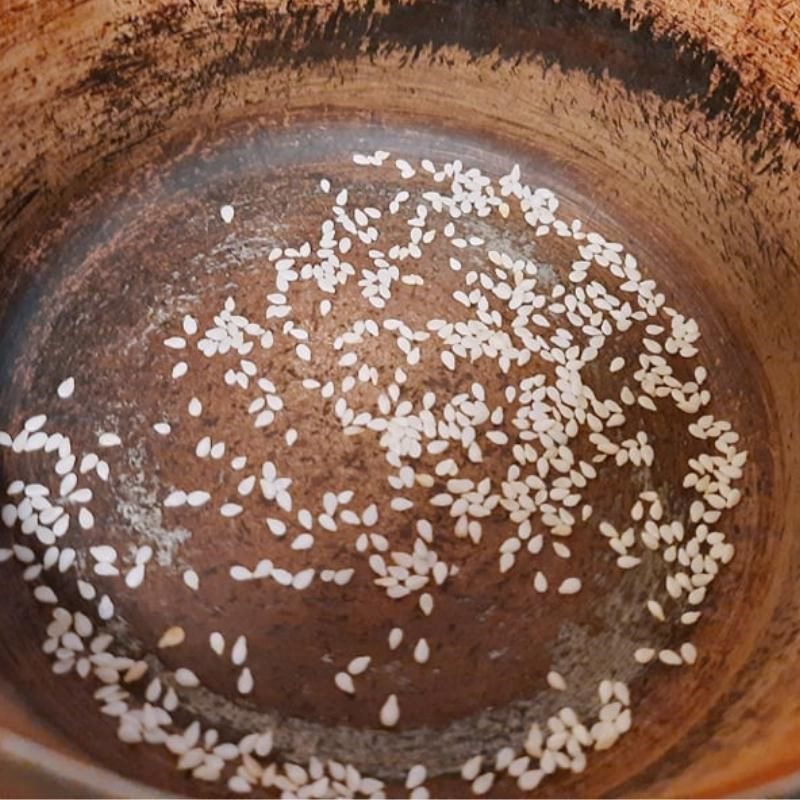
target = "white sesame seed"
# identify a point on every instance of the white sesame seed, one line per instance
(669, 657)
(556, 681)
(344, 683)
(483, 783)
(245, 682)
(175, 499)
(422, 652)
(471, 767)
(688, 652)
(416, 776)
(390, 712)
(66, 388)
(239, 651)
(197, 498)
(359, 665)
(240, 573)
(569, 586)
(303, 579)
(185, 677)
(135, 577)
(44, 594)
(426, 604)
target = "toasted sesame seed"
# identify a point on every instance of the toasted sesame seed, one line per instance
(172, 637)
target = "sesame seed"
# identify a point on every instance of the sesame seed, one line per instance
(185, 677)
(44, 594)
(416, 776)
(172, 637)
(426, 604)
(555, 681)
(471, 767)
(395, 638)
(570, 586)
(245, 682)
(688, 652)
(344, 683)
(390, 712)
(670, 657)
(483, 783)
(358, 665)
(66, 388)
(239, 651)
(303, 579)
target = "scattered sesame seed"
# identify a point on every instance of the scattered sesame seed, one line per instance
(245, 682)
(390, 712)
(185, 677)
(66, 388)
(358, 665)
(422, 652)
(344, 683)
(172, 637)
(570, 586)
(555, 681)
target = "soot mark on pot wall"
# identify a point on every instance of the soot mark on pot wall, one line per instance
(567, 33)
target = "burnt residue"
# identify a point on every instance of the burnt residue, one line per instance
(598, 41)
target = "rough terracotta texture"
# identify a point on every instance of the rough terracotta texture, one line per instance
(760, 40)
(668, 131)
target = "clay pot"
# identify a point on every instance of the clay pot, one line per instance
(672, 125)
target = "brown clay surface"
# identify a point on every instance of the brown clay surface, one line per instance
(665, 150)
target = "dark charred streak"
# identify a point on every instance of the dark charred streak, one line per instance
(567, 33)
(16, 205)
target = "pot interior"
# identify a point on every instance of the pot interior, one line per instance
(113, 231)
